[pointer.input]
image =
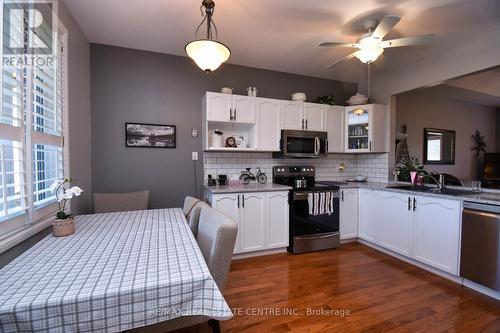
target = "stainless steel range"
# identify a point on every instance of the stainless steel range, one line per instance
(314, 209)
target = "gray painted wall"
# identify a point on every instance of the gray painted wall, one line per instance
(79, 125)
(427, 108)
(139, 86)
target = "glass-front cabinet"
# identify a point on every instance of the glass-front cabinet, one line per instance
(365, 128)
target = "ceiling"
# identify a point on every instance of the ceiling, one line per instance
(283, 35)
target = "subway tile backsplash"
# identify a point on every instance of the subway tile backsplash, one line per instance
(374, 166)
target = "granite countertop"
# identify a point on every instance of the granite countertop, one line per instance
(486, 196)
(268, 187)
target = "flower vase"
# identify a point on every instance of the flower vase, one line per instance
(63, 227)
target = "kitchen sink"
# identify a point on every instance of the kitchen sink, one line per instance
(446, 191)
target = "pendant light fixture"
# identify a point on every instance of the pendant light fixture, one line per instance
(207, 53)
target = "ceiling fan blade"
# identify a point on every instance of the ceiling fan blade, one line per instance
(408, 41)
(338, 44)
(385, 26)
(352, 55)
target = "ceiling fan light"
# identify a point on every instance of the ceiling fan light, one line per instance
(369, 54)
(207, 54)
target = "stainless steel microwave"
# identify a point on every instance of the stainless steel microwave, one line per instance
(302, 144)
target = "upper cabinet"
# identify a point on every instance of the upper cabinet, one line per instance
(303, 116)
(334, 122)
(268, 123)
(365, 128)
(230, 108)
(292, 115)
(256, 123)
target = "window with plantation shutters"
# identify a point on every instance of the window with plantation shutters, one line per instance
(32, 130)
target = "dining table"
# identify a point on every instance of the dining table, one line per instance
(118, 271)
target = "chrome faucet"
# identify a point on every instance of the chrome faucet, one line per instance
(440, 184)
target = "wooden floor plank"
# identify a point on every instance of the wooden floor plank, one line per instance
(383, 294)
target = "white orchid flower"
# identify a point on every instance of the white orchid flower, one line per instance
(76, 190)
(55, 185)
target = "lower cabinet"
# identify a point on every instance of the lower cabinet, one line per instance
(253, 222)
(394, 226)
(262, 218)
(423, 228)
(436, 237)
(348, 213)
(368, 208)
(277, 219)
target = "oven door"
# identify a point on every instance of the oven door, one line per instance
(304, 143)
(305, 224)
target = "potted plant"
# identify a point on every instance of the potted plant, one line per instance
(64, 224)
(406, 166)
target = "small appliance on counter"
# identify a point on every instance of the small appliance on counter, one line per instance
(222, 180)
(313, 210)
(211, 181)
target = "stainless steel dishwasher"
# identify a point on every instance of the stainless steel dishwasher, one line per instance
(480, 254)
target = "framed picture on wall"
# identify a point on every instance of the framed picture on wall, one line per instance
(150, 135)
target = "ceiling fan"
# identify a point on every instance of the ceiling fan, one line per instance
(371, 45)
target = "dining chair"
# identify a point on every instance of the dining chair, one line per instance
(194, 217)
(189, 203)
(216, 239)
(120, 202)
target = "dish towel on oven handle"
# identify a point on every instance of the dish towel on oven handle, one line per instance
(320, 203)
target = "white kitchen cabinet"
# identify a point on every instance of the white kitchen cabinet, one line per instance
(334, 123)
(314, 117)
(252, 221)
(348, 213)
(277, 219)
(366, 128)
(394, 227)
(218, 107)
(268, 123)
(262, 218)
(243, 109)
(229, 204)
(292, 115)
(436, 240)
(230, 108)
(303, 116)
(368, 209)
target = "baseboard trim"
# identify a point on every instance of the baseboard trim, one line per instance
(258, 253)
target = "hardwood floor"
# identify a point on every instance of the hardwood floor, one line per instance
(381, 293)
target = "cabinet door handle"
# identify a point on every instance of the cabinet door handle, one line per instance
(414, 204)
(307, 120)
(342, 195)
(370, 143)
(238, 201)
(409, 203)
(234, 114)
(303, 127)
(230, 114)
(243, 202)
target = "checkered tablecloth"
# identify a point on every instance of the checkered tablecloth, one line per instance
(118, 271)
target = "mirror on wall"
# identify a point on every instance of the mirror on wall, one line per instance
(439, 146)
(451, 127)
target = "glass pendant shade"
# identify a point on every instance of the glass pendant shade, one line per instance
(207, 54)
(369, 53)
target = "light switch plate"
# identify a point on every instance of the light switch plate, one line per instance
(194, 133)
(194, 155)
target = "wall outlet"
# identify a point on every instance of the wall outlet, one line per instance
(194, 155)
